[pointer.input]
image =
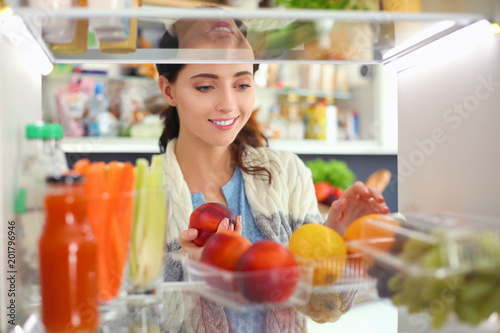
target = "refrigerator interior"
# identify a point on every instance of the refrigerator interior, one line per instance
(447, 134)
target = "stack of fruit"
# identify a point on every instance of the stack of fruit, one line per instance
(263, 272)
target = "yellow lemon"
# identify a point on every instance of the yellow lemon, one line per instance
(323, 248)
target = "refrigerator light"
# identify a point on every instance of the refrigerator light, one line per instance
(445, 48)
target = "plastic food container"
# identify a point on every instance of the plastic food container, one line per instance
(338, 274)
(442, 269)
(246, 291)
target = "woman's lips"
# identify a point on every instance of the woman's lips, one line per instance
(222, 27)
(224, 123)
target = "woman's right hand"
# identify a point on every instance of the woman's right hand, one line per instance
(186, 237)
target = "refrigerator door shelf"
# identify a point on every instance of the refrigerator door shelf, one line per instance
(273, 36)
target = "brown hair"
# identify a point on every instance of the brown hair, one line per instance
(249, 135)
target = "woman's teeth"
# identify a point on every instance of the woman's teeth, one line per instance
(226, 29)
(223, 122)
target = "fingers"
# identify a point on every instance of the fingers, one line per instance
(224, 225)
(185, 240)
(186, 237)
(336, 215)
(375, 194)
(337, 209)
(358, 190)
(239, 225)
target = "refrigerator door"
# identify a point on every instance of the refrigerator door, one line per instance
(20, 103)
(449, 158)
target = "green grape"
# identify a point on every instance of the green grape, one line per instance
(440, 314)
(430, 289)
(395, 283)
(399, 299)
(413, 250)
(468, 313)
(433, 258)
(492, 303)
(477, 288)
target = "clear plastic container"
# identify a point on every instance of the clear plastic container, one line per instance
(58, 165)
(31, 189)
(348, 273)
(57, 30)
(110, 29)
(225, 287)
(442, 267)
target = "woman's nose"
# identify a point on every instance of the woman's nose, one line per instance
(226, 101)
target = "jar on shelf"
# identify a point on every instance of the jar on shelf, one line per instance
(292, 112)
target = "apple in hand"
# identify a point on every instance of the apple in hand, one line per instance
(206, 218)
(267, 272)
(223, 250)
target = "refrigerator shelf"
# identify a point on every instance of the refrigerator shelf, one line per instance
(275, 35)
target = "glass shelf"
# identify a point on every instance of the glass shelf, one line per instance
(272, 35)
(89, 145)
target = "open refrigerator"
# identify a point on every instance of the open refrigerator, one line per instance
(445, 67)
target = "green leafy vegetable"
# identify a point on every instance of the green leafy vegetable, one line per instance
(334, 172)
(329, 4)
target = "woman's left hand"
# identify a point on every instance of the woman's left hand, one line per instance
(356, 201)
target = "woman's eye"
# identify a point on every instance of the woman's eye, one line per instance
(204, 88)
(243, 86)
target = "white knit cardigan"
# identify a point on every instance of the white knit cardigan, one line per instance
(278, 208)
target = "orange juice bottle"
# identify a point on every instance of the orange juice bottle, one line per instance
(68, 279)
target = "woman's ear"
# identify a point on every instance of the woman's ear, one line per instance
(166, 90)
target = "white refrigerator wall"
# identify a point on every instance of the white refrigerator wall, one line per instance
(449, 126)
(20, 103)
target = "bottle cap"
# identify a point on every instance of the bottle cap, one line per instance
(66, 179)
(99, 88)
(53, 131)
(35, 131)
(20, 202)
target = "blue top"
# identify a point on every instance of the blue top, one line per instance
(234, 192)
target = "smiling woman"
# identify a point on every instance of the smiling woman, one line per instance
(213, 154)
(213, 103)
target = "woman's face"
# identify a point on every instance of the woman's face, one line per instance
(214, 101)
(212, 34)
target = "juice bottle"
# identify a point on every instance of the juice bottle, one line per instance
(68, 279)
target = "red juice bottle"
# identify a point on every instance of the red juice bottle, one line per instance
(68, 279)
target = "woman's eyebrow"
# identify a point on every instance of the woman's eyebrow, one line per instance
(243, 73)
(213, 76)
(210, 76)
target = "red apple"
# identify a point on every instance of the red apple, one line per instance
(206, 218)
(223, 250)
(267, 272)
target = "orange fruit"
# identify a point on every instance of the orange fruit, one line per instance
(321, 247)
(380, 237)
(383, 237)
